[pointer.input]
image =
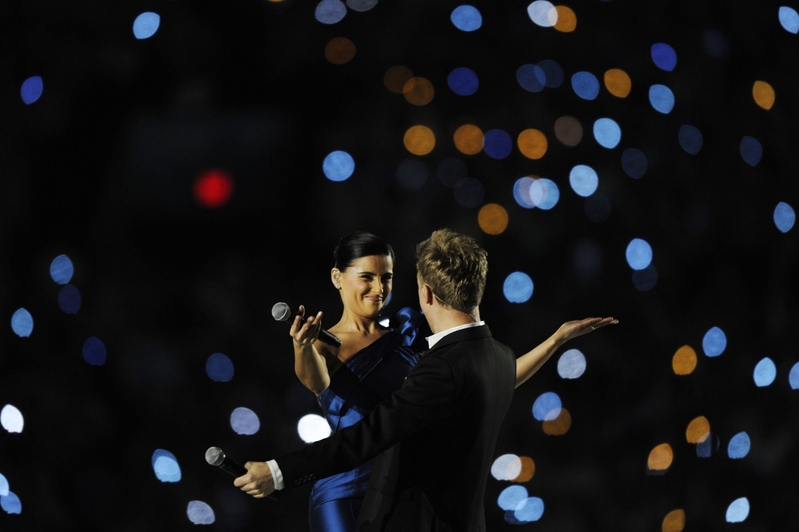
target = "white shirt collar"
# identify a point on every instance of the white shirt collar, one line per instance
(433, 339)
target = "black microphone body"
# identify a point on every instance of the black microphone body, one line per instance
(215, 457)
(282, 312)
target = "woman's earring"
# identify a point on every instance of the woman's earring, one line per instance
(338, 287)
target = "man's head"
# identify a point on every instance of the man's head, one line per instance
(454, 267)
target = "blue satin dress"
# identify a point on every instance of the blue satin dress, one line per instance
(365, 379)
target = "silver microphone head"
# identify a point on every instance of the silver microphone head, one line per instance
(281, 311)
(214, 456)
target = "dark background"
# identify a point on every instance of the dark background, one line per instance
(101, 168)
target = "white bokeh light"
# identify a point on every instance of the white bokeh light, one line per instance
(313, 427)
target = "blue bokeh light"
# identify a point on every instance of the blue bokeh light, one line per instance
(547, 406)
(165, 466)
(751, 150)
(529, 510)
(531, 78)
(638, 254)
(330, 11)
(739, 446)
(338, 166)
(664, 56)
(571, 364)
(789, 19)
(634, 163)
(62, 269)
(553, 73)
(690, 139)
(793, 377)
(585, 85)
(4, 486)
(466, 18)
(646, 279)
(146, 24)
(244, 421)
(714, 342)
(69, 299)
(583, 180)
(738, 510)
(200, 513)
(219, 367)
(661, 98)
(31, 89)
(10, 503)
(765, 372)
(511, 497)
(497, 143)
(94, 351)
(607, 133)
(22, 323)
(784, 217)
(463, 81)
(518, 287)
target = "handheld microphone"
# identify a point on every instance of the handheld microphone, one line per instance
(215, 457)
(282, 312)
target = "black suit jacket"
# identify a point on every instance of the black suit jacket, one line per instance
(445, 419)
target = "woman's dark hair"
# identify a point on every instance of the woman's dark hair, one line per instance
(356, 245)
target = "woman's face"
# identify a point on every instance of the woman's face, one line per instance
(366, 284)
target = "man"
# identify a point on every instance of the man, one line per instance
(437, 432)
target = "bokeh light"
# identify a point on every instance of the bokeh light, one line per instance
(784, 217)
(531, 78)
(219, 367)
(527, 471)
(31, 89)
(338, 166)
(618, 82)
(146, 25)
(213, 188)
(11, 419)
(638, 254)
(558, 426)
(585, 85)
(10, 503)
(739, 446)
(661, 98)
(634, 163)
(571, 364)
(493, 219)
(547, 406)
(660, 458)
(511, 497)
(567, 19)
(466, 18)
(532, 143)
(583, 180)
(468, 139)
(62, 269)
(244, 421)
(543, 13)
(684, 360)
(469, 193)
(396, 77)
(568, 130)
(419, 140)
(313, 427)
(165, 466)
(763, 94)
(518, 287)
(22, 323)
(690, 139)
(765, 372)
(94, 351)
(529, 510)
(463, 81)
(751, 150)
(674, 521)
(340, 50)
(789, 19)
(664, 56)
(714, 342)
(793, 377)
(69, 299)
(497, 144)
(200, 513)
(330, 11)
(506, 467)
(418, 91)
(607, 133)
(738, 510)
(698, 430)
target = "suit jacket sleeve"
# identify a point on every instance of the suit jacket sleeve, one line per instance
(428, 390)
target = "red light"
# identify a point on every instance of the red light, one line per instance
(213, 188)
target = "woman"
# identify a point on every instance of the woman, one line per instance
(350, 380)
(371, 362)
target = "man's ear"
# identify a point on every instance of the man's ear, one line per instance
(426, 294)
